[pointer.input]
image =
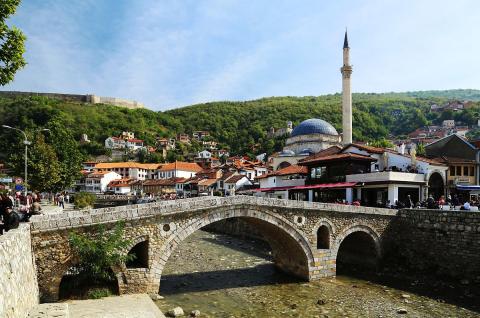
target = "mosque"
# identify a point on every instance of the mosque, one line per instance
(314, 135)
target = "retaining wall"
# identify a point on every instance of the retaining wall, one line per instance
(18, 280)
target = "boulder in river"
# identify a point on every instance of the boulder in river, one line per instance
(195, 313)
(176, 312)
(401, 311)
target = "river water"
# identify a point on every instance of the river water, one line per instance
(225, 276)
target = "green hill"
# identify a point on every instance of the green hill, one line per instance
(242, 126)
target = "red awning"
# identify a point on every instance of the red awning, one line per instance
(274, 189)
(337, 185)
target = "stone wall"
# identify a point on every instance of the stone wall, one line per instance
(93, 99)
(18, 281)
(441, 243)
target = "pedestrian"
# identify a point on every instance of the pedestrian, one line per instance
(408, 202)
(67, 198)
(11, 220)
(61, 201)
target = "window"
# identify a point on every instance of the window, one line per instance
(452, 171)
(459, 170)
(465, 170)
(472, 171)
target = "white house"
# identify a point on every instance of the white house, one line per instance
(120, 186)
(132, 170)
(235, 182)
(97, 182)
(281, 183)
(177, 169)
(131, 144)
(205, 154)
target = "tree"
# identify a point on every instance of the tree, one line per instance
(43, 165)
(84, 200)
(100, 251)
(12, 43)
(68, 153)
(382, 143)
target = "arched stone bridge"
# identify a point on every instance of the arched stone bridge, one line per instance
(304, 237)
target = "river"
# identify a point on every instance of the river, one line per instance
(225, 276)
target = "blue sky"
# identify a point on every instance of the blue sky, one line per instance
(170, 53)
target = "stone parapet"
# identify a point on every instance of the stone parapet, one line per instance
(74, 219)
(18, 281)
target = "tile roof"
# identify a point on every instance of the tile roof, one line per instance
(207, 182)
(326, 152)
(235, 178)
(342, 156)
(180, 165)
(293, 169)
(128, 164)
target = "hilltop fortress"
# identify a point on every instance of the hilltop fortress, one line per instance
(90, 98)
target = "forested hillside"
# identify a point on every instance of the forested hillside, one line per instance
(241, 126)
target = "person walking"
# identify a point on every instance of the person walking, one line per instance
(61, 201)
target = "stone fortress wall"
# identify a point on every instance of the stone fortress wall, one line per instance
(18, 279)
(90, 98)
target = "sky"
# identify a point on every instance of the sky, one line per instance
(170, 53)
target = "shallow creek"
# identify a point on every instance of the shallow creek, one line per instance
(225, 276)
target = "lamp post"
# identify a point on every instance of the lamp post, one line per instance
(26, 143)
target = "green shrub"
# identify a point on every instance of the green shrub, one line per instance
(98, 293)
(99, 251)
(84, 200)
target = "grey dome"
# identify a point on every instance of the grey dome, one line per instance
(314, 126)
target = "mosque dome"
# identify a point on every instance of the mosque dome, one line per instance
(314, 126)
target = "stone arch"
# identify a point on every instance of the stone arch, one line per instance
(364, 241)
(328, 232)
(298, 261)
(140, 247)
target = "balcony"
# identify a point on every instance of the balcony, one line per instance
(386, 176)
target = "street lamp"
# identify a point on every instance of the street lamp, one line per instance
(26, 143)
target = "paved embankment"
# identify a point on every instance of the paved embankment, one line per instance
(126, 306)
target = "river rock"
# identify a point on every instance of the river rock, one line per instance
(404, 296)
(321, 302)
(195, 313)
(176, 312)
(401, 311)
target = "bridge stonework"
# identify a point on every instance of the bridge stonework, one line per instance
(290, 227)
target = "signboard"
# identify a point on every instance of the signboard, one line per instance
(18, 180)
(6, 180)
(18, 187)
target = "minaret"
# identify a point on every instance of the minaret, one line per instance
(346, 94)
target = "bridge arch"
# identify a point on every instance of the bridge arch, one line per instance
(358, 245)
(323, 234)
(290, 248)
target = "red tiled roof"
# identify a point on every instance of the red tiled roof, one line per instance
(293, 169)
(235, 178)
(342, 156)
(180, 165)
(370, 149)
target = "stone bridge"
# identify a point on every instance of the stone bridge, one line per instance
(305, 237)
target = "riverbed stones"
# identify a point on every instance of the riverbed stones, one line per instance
(402, 311)
(195, 313)
(176, 312)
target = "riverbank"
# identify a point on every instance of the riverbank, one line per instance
(224, 276)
